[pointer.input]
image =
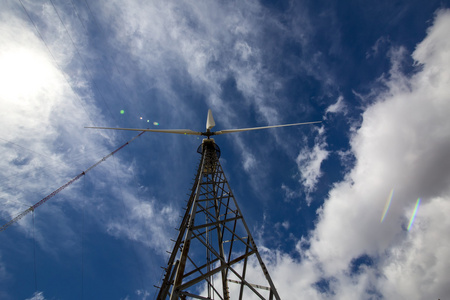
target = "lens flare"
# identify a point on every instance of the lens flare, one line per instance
(411, 221)
(122, 111)
(155, 123)
(140, 118)
(386, 206)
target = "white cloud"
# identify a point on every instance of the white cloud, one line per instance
(248, 162)
(378, 47)
(403, 143)
(144, 222)
(289, 194)
(37, 296)
(309, 162)
(338, 107)
(143, 293)
(243, 49)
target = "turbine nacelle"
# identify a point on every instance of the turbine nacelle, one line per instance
(209, 125)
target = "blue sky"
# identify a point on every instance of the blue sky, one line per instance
(375, 72)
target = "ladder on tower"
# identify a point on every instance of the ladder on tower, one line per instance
(214, 256)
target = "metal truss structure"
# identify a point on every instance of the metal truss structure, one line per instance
(214, 256)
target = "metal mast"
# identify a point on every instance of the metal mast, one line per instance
(214, 250)
(214, 256)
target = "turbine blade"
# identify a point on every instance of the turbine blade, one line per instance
(210, 121)
(264, 127)
(176, 131)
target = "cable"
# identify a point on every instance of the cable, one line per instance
(73, 159)
(56, 62)
(25, 148)
(112, 60)
(81, 58)
(78, 16)
(32, 208)
(103, 66)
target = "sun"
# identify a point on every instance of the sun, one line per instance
(23, 73)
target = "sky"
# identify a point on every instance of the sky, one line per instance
(355, 207)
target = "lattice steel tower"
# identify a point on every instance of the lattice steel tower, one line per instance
(214, 256)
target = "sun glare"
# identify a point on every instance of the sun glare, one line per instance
(413, 216)
(23, 73)
(387, 205)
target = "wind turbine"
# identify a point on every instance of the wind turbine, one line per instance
(214, 225)
(209, 125)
